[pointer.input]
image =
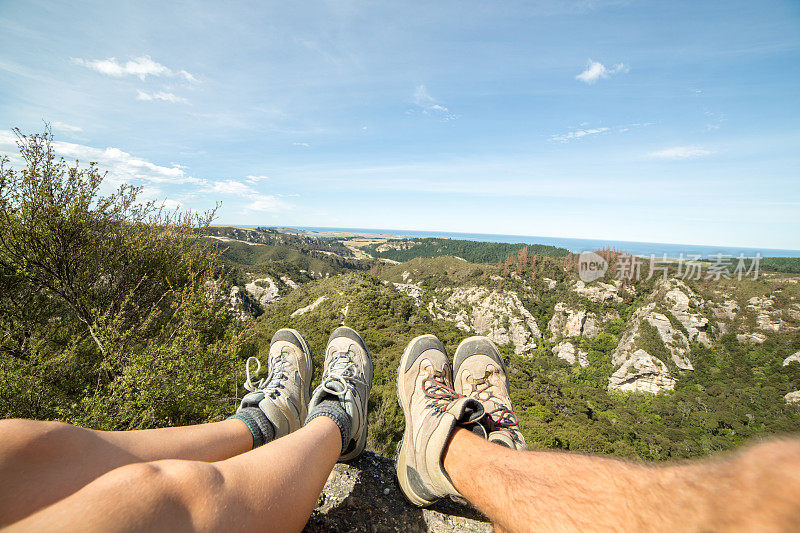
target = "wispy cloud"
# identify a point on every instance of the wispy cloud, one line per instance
(256, 201)
(61, 126)
(595, 70)
(121, 166)
(679, 152)
(428, 105)
(141, 67)
(583, 131)
(164, 97)
(305, 145)
(576, 134)
(256, 179)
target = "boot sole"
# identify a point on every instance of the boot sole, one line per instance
(401, 460)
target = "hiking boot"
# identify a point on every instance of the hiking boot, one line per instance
(283, 395)
(432, 409)
(481, 374)
(343, 393)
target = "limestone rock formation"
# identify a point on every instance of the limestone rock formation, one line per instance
(566, 350)
(637, 370)
(411, 289)
(674, 339)
(363, 496)
(571, 323)
(794, 358)
(501, 316)
(767, 318)
(599, 291)
(264, 290)
(792, 397)
(310, 307)
(751, 338)
(642, 372)
(685, 305)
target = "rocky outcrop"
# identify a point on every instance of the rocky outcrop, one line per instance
(310, 307)
(751, 338)
(410, 289)
(685, 305)
(363, 496)
(566, 350)
(767, 318)
(674, 339)
(498, 315)
(264, 290)
(598, 291)
(571, 323)
(792, 397)
(642, 372)
(289, 283)
(794, 358)
(637, 370)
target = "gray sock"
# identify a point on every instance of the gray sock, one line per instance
(262, 429)
(333, 410)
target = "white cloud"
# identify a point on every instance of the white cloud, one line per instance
(256, 201)
(229, 187)
(679, 152)
(164, 97)
(306, 145)
(262, 203)
(595, 70)
(256, 179)
(576, 134)
(429, 105)
(122, 167)
(141, 67)
(61, 126)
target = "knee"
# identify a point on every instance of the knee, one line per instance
(194, 488)
(35, 439)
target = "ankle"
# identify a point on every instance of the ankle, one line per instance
(334, 411)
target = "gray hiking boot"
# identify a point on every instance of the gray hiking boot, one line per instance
(432, 409)
(283, 395)
(481, 374)
(344, 390)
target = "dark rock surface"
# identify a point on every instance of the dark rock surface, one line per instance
(364, 496)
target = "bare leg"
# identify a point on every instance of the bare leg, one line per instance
(273, 487)
(547, 491)
(42, 462)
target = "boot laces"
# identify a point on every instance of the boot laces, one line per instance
(440, 395)
(342, 373)
(273, 383)
(502, 416)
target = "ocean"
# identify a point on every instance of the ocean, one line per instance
(581, 245)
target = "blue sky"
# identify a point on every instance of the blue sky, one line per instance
(651, 121)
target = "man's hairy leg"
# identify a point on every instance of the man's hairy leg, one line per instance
(758, 489)
(43, 462)
(274, 487)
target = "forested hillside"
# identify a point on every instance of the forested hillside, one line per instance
(472, 251)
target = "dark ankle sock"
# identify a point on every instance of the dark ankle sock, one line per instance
(262, 429)
(333, 410)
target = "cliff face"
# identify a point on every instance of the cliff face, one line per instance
(364, 496)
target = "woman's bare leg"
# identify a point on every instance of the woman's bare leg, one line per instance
(43, 462)
(273, 487)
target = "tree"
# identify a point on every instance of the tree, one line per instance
(89, 281)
